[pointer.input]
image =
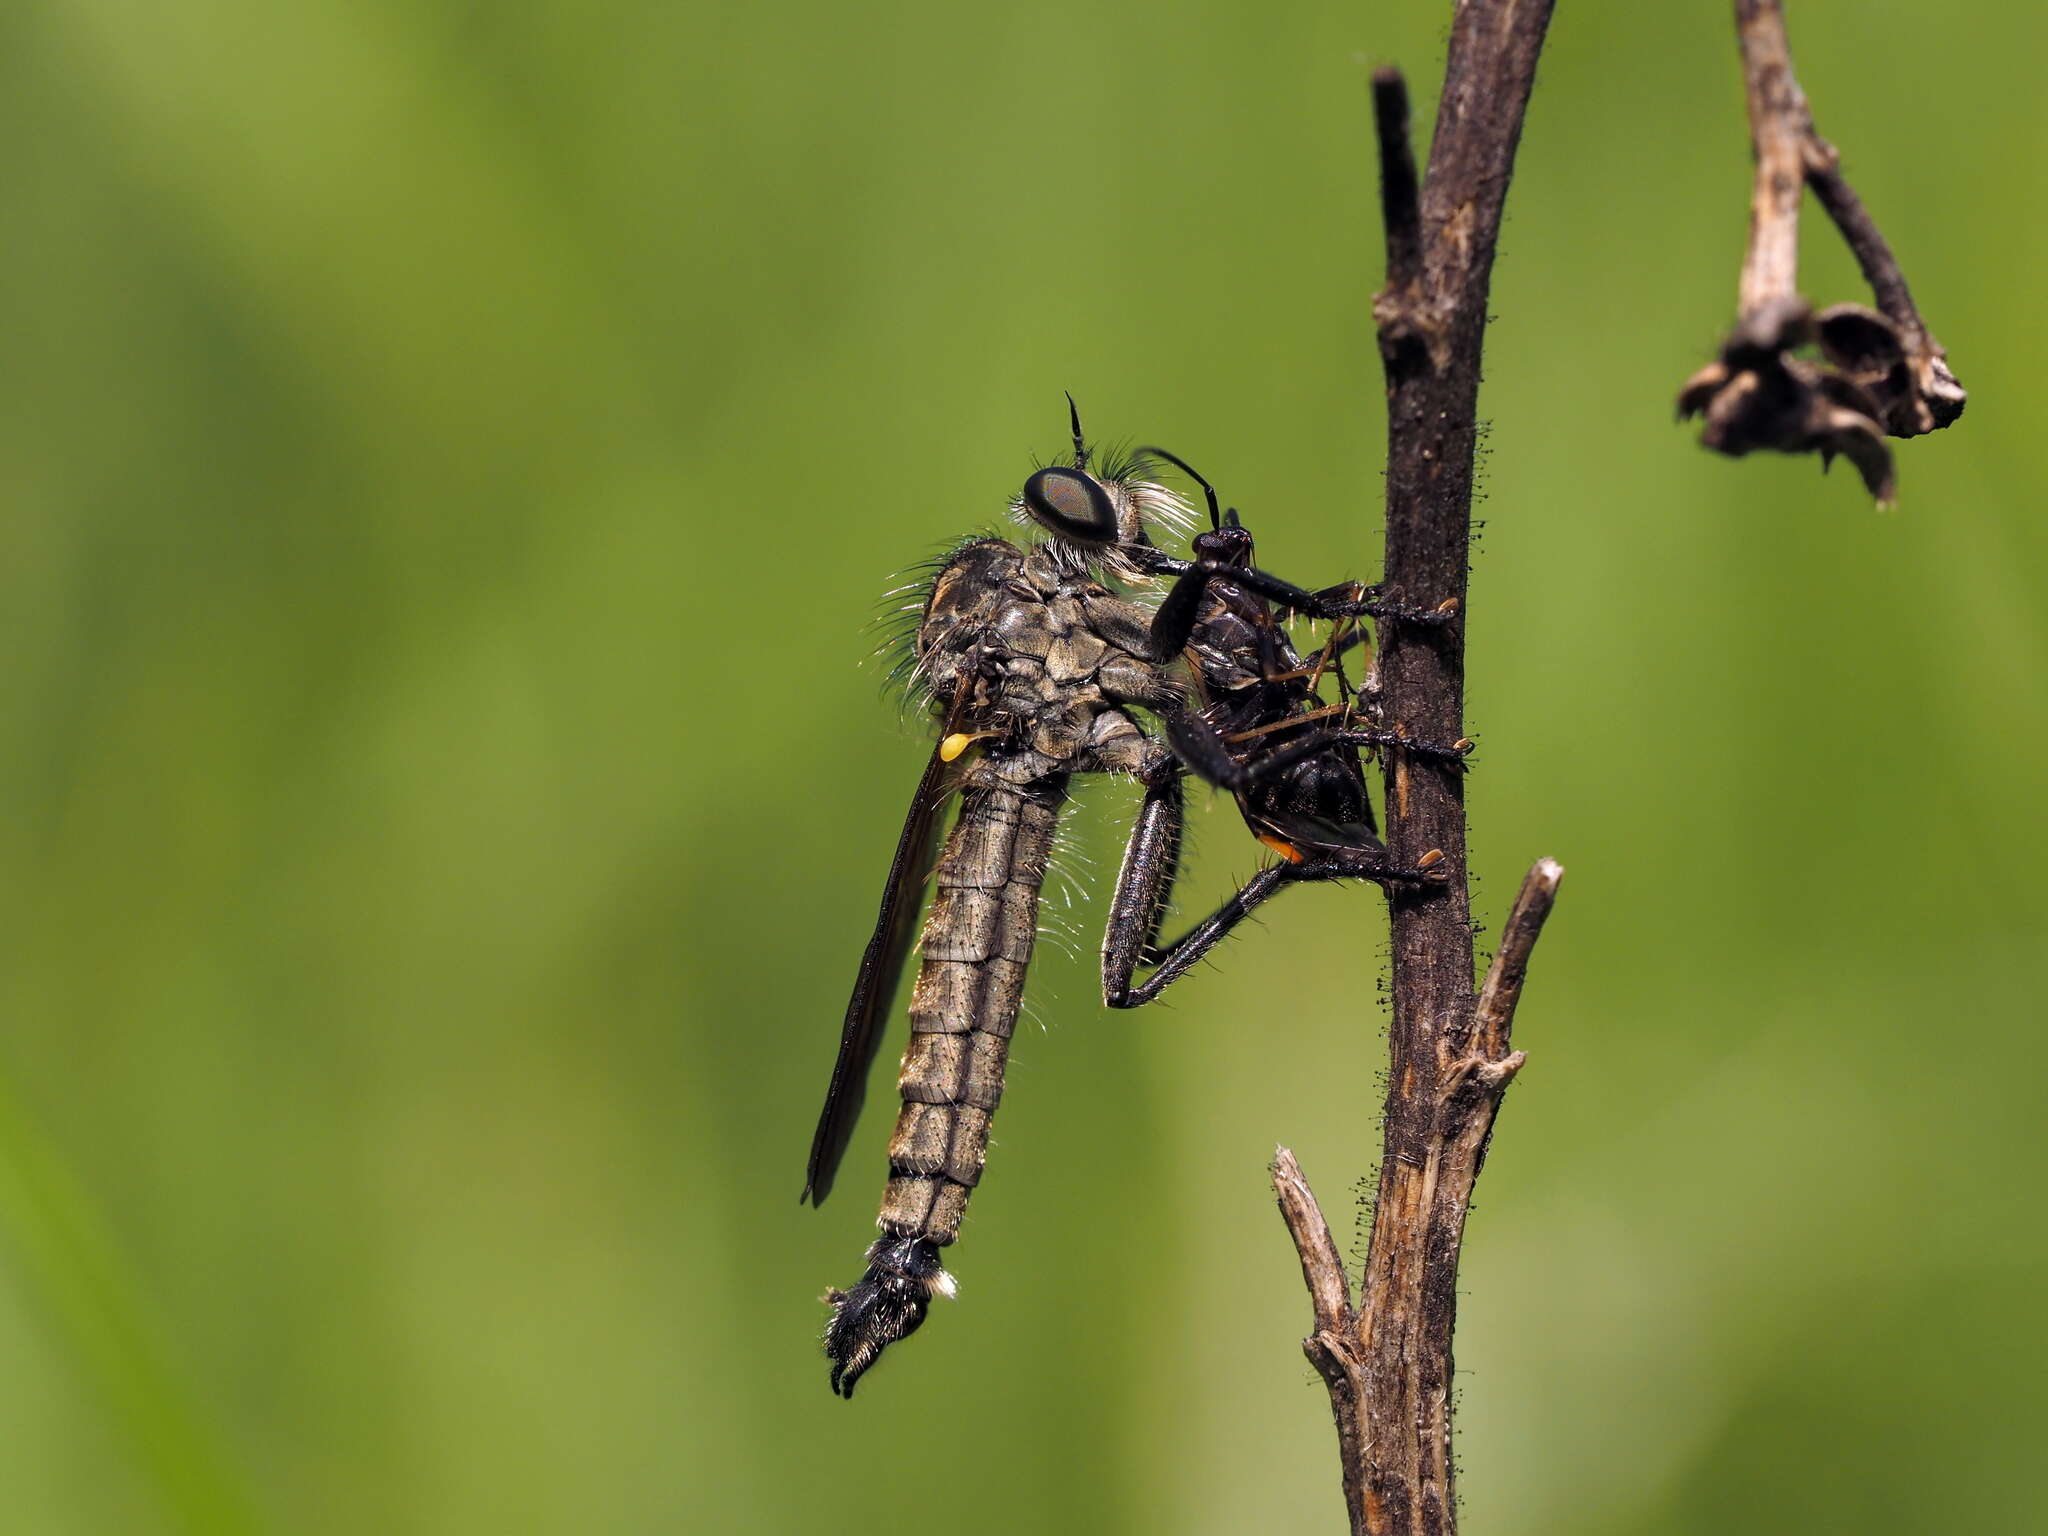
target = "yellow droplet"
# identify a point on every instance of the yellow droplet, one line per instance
(954, 745)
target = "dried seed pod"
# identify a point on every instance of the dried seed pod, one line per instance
(1758, 395)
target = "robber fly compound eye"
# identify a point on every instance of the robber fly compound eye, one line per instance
(1072, 505)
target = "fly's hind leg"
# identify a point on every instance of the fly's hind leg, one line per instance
(1174, 960)
(1177, 958)
(1144, 885)
(1144, 889)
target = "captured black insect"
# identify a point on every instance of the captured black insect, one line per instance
(1259, 728)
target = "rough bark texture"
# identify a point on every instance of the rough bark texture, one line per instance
(1388, 1361)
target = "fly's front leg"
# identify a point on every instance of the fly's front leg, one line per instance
(1144, 883)
(1453, 755)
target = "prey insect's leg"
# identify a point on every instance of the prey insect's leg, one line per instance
(1208, 753)
(1330, 658)
(1454, 754)
(1175, 620)
(1350, 695)
(1350, 600)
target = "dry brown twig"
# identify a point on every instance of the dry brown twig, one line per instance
(1387, 1358)
(1884, 373)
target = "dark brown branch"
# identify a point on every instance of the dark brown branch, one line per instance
(1886, 375)
(1930, 396)
(1400, 197)
(1437, 1113)
(1388, 1362)
(1866, 241)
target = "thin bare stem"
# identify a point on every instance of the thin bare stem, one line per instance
(1779, 126)
(1388, 1361)
(1866, 241)
(1885, 374)
(1937, 397)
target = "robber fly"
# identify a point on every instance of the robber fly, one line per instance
(1032, 666)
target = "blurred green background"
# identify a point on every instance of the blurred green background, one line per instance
(451, 453)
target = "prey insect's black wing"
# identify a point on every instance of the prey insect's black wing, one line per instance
(1312, 833)
(874, 989)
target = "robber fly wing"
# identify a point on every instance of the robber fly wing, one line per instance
(874, 989)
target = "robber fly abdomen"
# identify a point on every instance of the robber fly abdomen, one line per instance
(976, 945)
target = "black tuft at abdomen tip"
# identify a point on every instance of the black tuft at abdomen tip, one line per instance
(889, 1303)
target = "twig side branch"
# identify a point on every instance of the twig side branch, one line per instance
(1510, 968)
(1332, 1346)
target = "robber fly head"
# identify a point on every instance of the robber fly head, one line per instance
(1098, 507)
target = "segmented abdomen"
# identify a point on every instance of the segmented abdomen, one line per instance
(976, 945)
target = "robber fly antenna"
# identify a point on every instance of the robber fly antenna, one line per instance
(1208, 490)
(1080, 442)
